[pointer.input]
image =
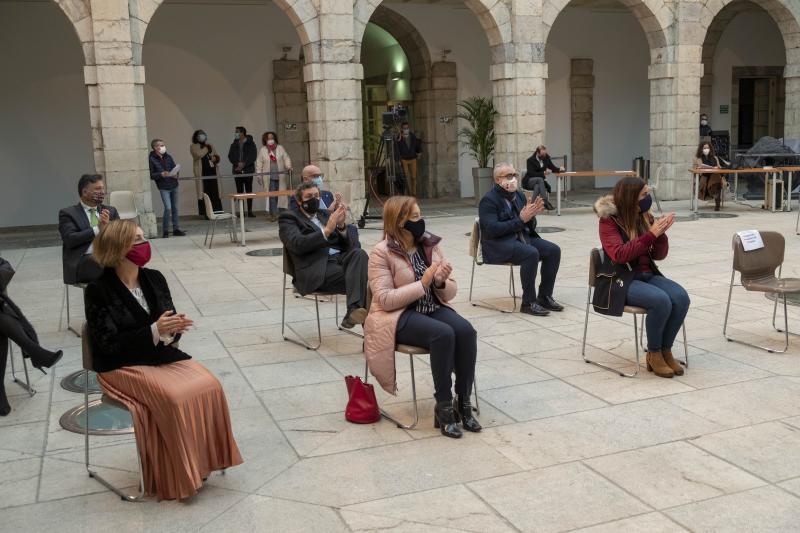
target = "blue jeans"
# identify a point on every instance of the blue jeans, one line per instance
(274, 184)
(667, 304)
(170, 199)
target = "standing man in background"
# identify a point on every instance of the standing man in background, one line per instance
(242, 155)
(161, 171)
(409, 149)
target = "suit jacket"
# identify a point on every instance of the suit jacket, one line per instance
(120, 329)
(501, 227)
(308, 248)
(536, 169)
(76, 236)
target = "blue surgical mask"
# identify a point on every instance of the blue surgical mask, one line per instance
(645, 204)
(317, 180)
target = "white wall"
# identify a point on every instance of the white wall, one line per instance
(734, 51)
(618, 46)
(210, 67)
(45, 136)
(456, 28)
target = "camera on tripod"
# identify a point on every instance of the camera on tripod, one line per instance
(394, 117)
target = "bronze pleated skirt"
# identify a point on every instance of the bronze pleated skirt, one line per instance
(183, 428)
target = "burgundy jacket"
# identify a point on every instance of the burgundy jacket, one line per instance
(639, 252)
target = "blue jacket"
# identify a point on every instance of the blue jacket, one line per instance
(500, 226)
(159, 164)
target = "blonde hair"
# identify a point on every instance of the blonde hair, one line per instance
(114, 242)
(396, 211)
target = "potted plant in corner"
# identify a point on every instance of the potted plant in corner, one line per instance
(479, 139)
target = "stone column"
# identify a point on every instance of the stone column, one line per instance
(291, 111)
(581, 84)
(116, 105)
(791, 125)
(442, 144)
(424, 122)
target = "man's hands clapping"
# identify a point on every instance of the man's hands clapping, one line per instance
(531, 209)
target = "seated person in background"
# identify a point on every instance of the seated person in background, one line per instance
(539, 165)
(711, 185)
(632, 238)
(78, 226)
(327, 199)
(323, 254)
(411, 286)
(179, 411)
(508, 235)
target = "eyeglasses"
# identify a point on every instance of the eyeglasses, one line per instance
(511, 176)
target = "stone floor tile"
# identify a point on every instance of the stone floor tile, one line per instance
(614, 388)
(528, 342)
(529, 499)
(66, 478)
(26, 409)
(770, 450)
(306, 400)
(455, 508)
(650, 522)
(19, 482)
(292, 374)
(267, 354)
(488, 417)
(792, 485)
(260, 513)
(504, 372)
(359, 476)
(673, 474)
(711, 370)
(564, 363)
(540, 400)
(22, 441)
(761, 509)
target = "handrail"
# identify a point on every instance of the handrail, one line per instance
(228, 176)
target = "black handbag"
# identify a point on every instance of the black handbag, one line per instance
(611, 283)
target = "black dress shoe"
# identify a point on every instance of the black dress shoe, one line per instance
(548, 303)
(548, 205)
(463, 413)
(165, 235)
(179, 233)
(534, 309)
(251, 215)
(444, 419)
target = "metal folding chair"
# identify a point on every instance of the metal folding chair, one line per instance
(474, 252)
(27, 384)
(82, 287)
(214, 217)
(757, 273)
(638, 335)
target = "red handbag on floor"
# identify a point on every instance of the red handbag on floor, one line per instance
(362, 406)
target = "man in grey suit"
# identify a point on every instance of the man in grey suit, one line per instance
(78, 225)
(323, 255)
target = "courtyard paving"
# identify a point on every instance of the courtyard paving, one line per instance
(567, 446)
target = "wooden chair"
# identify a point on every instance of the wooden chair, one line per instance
(474, 252)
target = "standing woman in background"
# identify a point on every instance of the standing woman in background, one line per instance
(272, 157)
(205, 164)
(711, 185)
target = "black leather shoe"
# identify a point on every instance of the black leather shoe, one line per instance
(463, 413)
(179, 233)
(548, 205)
(534, 309)
(548, 303)
(165, 235)
(444, 419)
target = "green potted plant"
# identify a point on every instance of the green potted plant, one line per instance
(479, 140)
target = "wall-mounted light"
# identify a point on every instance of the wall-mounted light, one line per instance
(395, 76)
(445, 119)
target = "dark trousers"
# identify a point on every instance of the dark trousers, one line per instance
(528, 257)
(667, 304)
(453, 344)
(245, 185)
(346, 273)
(538, 186)
(11, 328)
(88, 269)
(211, 188)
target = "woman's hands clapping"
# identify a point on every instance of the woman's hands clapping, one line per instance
(171, 324)
(444, 271)
(661, 225)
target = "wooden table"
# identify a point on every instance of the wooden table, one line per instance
(560, 185)
(789, 171)
(694, 201)
(241, 197)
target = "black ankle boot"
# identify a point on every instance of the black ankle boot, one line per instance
(5, 408)
(463, 412)
(46, 360)
(444, 419)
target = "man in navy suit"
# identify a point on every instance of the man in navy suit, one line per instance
(78, 224)
(508, 235)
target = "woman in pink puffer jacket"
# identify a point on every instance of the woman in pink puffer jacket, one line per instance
(411, 285)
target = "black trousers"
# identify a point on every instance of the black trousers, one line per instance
(88, 269)
(453, 344)
(244, 185)
(211, 188)
(346, 273)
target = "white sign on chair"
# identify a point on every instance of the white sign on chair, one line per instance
(751, 239)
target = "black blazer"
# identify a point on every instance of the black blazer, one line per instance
(120, 329)
(308, 248)
(76, 236)
(249, 155)
(501, 227)
(536, 169)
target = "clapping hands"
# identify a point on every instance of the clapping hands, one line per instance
(662, 224)
(531, 209)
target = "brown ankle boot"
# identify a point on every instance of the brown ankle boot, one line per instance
(656, 364)
(672, 363)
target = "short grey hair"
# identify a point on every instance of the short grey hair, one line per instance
(153, 143)
(498, 167)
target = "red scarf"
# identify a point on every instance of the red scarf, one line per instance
(272, 154)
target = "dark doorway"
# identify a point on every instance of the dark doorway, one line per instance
(755, 110)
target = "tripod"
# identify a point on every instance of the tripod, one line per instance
(385, 159)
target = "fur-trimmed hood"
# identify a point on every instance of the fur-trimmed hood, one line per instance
(605, 207)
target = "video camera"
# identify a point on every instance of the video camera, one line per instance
(394, 117)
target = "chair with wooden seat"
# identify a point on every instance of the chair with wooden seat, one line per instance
(638, 334)
(411, 351)
(757, 274)
(475, 253)
(88, 365)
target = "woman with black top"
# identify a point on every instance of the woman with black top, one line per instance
(711, 185)
(179, 411)
(205, 160)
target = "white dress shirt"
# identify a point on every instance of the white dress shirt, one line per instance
(316, 221)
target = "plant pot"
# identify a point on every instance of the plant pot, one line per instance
(481, 182)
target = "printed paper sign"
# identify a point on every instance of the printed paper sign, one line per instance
(751, 239)
(174, 171)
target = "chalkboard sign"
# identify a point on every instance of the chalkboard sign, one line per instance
(723, 110)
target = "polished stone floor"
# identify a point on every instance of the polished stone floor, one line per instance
(567, 446)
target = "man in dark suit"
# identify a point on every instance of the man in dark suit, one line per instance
(539, 165)
(78, 225)
(508, 235)
(323, 255)
(243, 154)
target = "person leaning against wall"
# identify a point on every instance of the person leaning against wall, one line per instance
(205, 159)
(161, 165)
(273, 158)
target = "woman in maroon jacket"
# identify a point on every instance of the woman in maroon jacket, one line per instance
(630, 235)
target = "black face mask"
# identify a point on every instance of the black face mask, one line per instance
(311, 206)
(416, 228)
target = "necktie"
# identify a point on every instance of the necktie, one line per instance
(93, 217)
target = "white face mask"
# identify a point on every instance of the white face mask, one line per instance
(510, 185)
(706, 151)
(704, 122)
(271, 142)
(162, 150)
(201, 138)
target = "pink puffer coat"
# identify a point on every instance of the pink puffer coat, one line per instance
(391, 279)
